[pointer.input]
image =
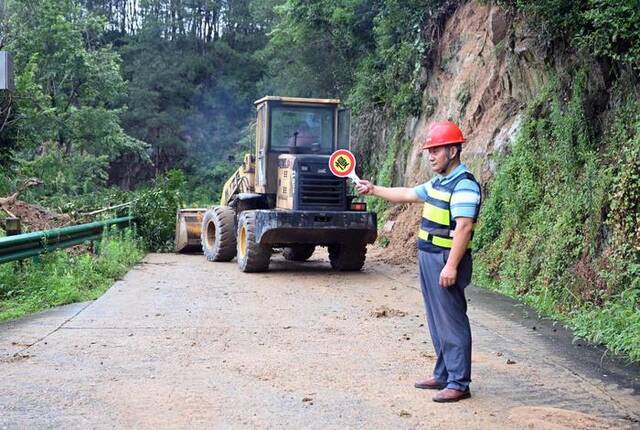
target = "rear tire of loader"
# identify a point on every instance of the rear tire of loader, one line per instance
(346, 257)
(218, 234)
(298, 252)
(252, 257)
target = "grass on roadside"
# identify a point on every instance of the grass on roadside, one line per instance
(559, 228)
(615, 324)
(60, 278)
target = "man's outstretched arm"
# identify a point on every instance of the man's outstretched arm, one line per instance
(392, 194)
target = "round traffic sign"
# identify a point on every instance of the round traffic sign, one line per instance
(342, 163)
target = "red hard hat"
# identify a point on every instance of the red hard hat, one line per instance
(443, 133)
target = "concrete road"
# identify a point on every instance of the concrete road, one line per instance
(183, 343)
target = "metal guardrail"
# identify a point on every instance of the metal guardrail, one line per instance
(38, 242)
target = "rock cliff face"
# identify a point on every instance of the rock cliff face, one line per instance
(487, 67)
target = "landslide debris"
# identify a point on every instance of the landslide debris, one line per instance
(35, 217)
(386, 312)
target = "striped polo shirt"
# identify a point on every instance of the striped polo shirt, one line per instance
(465, 200)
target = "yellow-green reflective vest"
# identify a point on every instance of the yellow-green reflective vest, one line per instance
(437, 225)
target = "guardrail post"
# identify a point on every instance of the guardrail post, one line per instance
(13, 226)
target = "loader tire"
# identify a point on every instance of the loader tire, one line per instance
(347, 257)
(298, 252)
(218, 234)
(252, 257)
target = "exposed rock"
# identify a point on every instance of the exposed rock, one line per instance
(497, 25)
(388, 226)
(523, 45)
(507, 135)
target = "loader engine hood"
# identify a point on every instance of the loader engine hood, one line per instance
(305, 183)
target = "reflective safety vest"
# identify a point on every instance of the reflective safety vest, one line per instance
(437, 225)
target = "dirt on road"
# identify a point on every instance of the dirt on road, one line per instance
(184, 343)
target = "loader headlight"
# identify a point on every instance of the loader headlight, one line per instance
(304, 168)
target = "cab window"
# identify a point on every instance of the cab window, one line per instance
(310, 129)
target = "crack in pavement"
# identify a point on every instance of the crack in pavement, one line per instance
(37, 341)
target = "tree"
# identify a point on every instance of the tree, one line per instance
(72, 81)
(314, 48)
(70, 94)
(7, 108)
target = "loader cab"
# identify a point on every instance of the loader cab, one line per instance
(290, 125)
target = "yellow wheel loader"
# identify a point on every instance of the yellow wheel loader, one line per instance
(284, 195)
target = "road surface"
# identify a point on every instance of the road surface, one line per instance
(183, 343)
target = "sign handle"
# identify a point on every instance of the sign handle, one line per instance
(354, 177)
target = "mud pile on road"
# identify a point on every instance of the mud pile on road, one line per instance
(35, 217)
(386, 312)
(400, 233)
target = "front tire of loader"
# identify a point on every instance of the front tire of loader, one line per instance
(252, 257)
(346, 257)
(218, 234)
(298, 252)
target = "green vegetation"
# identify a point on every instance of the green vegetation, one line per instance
(383, 178)
(60, 278)
(110, 96)
(398, 145)
(155, 210)
(560, 227)
(369, 53)
(462, 97)
(603, 28)
(151, 101)
(68, 97)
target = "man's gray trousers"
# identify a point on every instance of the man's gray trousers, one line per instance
(446, 310)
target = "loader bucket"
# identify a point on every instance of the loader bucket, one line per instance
(188, 227)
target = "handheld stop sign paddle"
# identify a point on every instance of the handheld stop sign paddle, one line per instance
(342, 164)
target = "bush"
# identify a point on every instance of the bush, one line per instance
(155, 210)
(612, 29)
(560, 225)
(605, 28)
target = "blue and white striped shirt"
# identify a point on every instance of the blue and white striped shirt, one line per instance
(465, 200)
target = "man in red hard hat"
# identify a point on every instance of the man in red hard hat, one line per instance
(451, 206)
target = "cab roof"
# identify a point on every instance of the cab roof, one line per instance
(298, 100)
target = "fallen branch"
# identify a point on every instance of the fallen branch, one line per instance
(11, 200)
(9, 213)
(122, 205)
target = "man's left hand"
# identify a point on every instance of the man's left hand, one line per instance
(448, 276)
